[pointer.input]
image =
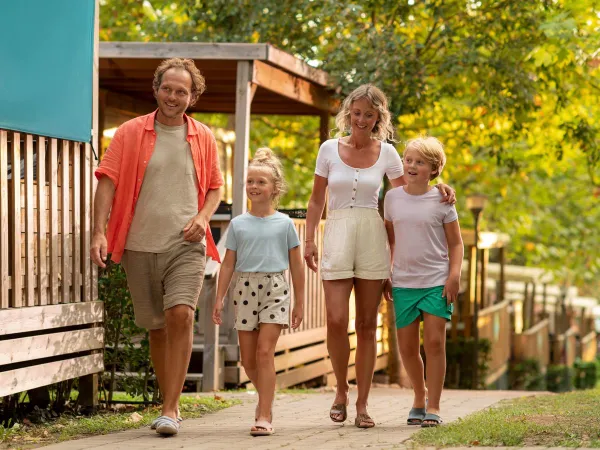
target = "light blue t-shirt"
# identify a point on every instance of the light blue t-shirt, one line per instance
(262, 243)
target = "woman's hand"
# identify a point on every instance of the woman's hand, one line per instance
(311, 255)
(448, 193)
(216, 315)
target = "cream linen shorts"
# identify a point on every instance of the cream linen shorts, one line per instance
(355, 245)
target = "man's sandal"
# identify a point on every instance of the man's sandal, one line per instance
(262, 428)
(416, 416)
(433, 418)
(364, 421)
(339, 409)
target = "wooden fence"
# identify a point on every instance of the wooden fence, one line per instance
(588, 347)
(534, 344)
(494, 325)
(49, 313)
(301, 355)
(564, 348)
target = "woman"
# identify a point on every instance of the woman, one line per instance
(355, 249)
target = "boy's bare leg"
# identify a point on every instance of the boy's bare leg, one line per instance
(435, 350)
(265, 360)
(180, 321)
(410, 352)
(367, 298)
(337, 303)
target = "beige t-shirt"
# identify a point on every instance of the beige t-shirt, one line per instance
(168, 198)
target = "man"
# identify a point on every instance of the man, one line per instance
(160, 181)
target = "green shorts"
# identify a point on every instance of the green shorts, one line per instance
(410, 303)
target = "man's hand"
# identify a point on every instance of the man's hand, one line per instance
(449, 194)
(297, 316)
(195, 229)
(98, 250)
(450, 291)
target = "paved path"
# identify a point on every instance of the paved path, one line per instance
(301, 421)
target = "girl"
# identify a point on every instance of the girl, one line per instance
(261, 244)
(421, 232)
(355, 248)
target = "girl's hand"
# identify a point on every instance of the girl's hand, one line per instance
(448, 193)
(216, 315)
(387, 290)
(311, 255)
(297, 316)
(450, 291)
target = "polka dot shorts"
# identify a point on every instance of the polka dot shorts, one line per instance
(261, 298)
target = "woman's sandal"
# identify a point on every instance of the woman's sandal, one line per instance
(339, 409)
(262, 428)
(416, 416)
(364, 421)
(433, 418)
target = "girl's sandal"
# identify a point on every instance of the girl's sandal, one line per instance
(339, 409)
(364, 421)
(262, 428)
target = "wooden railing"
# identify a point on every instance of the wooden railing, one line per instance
(564, 348)
(301, 354)
(494, 325)
(534, 344)
(588, 347)
(47, 280)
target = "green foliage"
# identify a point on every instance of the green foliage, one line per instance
(459, 365)
(510, 87)
(559, 378)
(586, 375)
(127, 346)
(527, 376)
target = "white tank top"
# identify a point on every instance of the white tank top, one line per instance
(350, 187)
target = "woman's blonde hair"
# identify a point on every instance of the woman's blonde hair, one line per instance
(264, 157)
(383, 130)
(432, 150)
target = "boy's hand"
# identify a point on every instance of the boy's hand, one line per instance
(451, 289)
(297, 316)
(449, 194)
(216, 315)
(387, 290)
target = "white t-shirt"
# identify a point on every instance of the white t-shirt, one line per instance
(421, 250)
(350, 187)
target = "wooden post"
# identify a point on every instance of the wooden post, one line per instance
(243, 100)
(42, 279)
(525, 307)
(29, 245)
(17, 293)
(483, 297)
(4, 221)
(210, 354)
(88, 385)
(502, 292)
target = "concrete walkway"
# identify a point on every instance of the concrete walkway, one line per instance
(301, 421)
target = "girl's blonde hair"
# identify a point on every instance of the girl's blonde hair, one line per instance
(432, 150)
(264, 157)
(383, 130)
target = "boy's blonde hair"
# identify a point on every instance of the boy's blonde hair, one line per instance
(264, 157)
(383, 130)
(432, 150)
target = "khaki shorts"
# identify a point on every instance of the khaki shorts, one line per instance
(355, 245)
(261, 298)
(159, 281)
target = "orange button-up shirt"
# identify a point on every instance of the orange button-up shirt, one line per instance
(125, 163)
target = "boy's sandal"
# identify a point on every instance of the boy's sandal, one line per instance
(364, 421)
(339, 409)
(434, 420)
(416, 416)
(262, 428)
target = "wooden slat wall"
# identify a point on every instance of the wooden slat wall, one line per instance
(50, 209)
(534, 344)
(4, 222)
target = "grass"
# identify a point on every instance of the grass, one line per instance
(564, 420)
(68, 427)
